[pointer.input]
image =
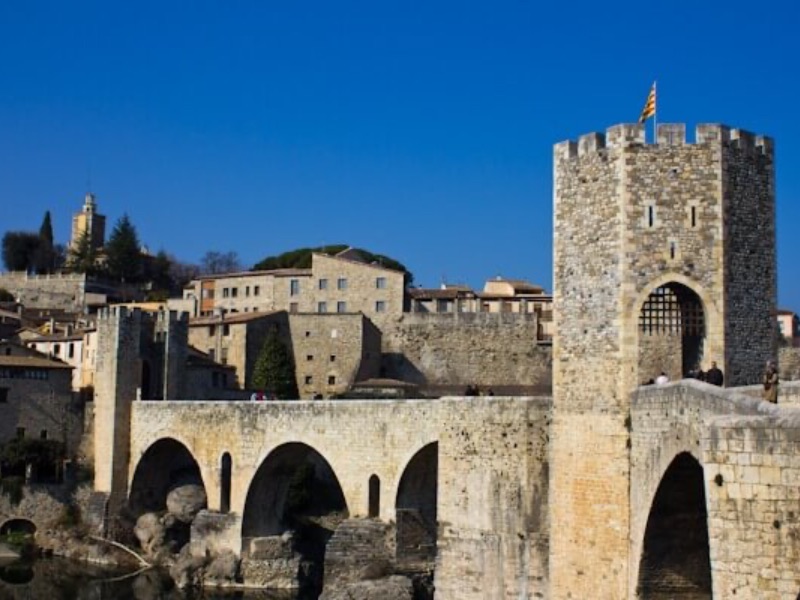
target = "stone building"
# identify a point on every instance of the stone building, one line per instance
(658, 249)
(90, 223)
(333, 351)
(236, 339)
(36, 398)
(333, 284)
(67, 347)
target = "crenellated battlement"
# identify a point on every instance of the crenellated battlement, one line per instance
(668, 134)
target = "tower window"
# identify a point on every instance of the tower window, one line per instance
(694, 216)
(651, 215)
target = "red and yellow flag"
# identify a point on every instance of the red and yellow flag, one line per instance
(649, 106)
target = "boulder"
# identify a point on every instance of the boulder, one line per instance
(223, 569)
(272, 547)
(395, 587)
(150, 532)
(186, 501)
(188, 570)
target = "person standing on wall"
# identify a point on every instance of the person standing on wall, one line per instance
(714, 375)
(770, 381)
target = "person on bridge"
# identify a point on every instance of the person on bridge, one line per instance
(662, 379)
(770, 381)
(714, 375)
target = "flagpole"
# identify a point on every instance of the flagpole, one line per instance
(655, 113)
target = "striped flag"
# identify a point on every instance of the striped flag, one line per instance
(649, 109)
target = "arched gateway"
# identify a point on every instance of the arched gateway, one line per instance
(672, 332)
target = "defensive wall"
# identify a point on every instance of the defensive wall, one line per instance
(486, 349)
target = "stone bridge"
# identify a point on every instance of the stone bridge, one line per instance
(714, 477)
(476, 467)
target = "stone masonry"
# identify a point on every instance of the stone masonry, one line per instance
(631, 219)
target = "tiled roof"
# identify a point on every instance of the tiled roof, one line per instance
(233, 318)
(32, 361)
(436, 293)
(274, 272)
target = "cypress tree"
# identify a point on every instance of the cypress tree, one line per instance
(274, 369)
(124, 259)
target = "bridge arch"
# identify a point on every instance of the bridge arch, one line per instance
(293, 482)
(166, 464)
(675, 325)
(18, 525)
(675, 556)
(416, 505)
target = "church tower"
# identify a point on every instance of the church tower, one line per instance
(90, 222)
(664, 258)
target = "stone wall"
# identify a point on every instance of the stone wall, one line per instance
(752, 468)
(65, 292)
(465, 348)
(789, 363)
(332, 351)
(43, 408)
(750, 266)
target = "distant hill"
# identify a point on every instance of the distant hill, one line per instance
(301, 259)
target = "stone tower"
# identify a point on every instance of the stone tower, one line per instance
(664, 257)
(88, 221)
(140, 356)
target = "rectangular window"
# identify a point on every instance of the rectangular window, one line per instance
(322, 307)
(256, 290)
(224, 356)
(56, 349)
(308, 334)
(333, 358)
(43, 434)
(293, 307)
(234, 292)
(380, 283)
(323, 284)
(341, 307)
(226, 330)
(331, 379)
(3, 395)
(694, 216)
(380, 306)
(247, 291)
(309, 357)
(651, 215)
(341, 283)
(212, 329)
(308, 379)
(71, 350)
(294, 287)
(225, 292)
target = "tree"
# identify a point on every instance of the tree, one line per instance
(83, 256)
(301, 259)
(274, 369)
(159, 275)
(19, 250)
(123, 257)
(214, 262)
(45, 253)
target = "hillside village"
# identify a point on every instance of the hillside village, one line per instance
(352, 326)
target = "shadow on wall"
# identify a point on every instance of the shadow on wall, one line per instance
(396, 365)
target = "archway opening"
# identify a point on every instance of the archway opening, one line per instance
(675, 559)
(416, 507)
(374, 497)
(672, 332)
(17, 527)
(294, 490)
(225, 483)
(166, 466)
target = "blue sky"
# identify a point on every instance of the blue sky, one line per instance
(421, 130)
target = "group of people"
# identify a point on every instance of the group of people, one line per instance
(714, 376)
